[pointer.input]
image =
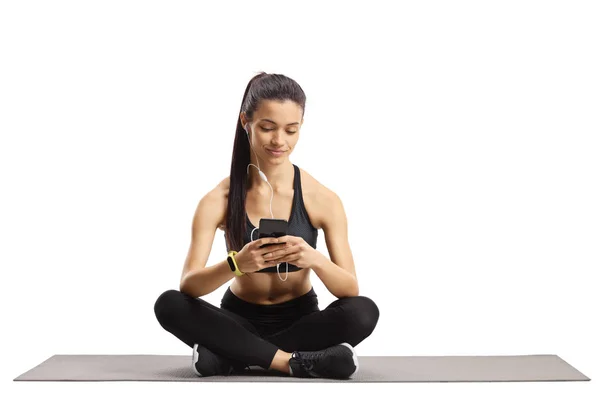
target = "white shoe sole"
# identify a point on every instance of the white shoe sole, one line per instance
(195, 359)
(354, 357)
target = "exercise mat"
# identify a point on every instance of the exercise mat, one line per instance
(143, 367)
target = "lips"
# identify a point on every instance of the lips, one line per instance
(275, 153)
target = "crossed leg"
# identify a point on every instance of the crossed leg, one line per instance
(348, 319)
(194, 320)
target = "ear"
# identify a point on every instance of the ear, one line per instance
(243, 120)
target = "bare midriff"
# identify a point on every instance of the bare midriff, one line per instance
(267, 288)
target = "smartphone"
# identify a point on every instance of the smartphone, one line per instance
(268, 227)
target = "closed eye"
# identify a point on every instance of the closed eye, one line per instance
(268, 130)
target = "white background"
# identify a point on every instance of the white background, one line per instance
(462, 138)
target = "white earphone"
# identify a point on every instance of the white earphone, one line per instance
(264, 178)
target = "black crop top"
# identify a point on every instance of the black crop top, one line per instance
(298, 225)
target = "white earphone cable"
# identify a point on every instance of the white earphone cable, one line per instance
(264, 177)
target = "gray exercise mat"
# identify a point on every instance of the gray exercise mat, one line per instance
(143, 367)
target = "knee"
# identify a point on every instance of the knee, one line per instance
(365, 313)
(166, 305)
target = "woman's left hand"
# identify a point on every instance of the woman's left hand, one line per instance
(297, 252)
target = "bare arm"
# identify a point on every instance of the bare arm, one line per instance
(199, 282)
(196, 278)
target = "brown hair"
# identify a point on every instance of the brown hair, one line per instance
(262, 86)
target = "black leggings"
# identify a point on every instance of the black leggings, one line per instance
(252, 333)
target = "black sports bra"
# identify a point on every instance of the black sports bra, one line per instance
(298, 225)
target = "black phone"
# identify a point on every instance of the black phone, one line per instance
(268, 227)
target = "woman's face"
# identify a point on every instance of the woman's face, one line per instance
(276, 126)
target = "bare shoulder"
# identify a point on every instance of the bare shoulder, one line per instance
(314, 187)
(220, 191)
(220, 195)
(223, 186)
(317, 198)
(214, 202)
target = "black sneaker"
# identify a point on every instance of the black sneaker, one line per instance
(337, 362)
(207, 363)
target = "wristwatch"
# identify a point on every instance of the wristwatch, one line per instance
(232, 264)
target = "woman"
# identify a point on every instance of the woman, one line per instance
(264, 318)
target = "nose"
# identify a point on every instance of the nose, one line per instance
(277, 139)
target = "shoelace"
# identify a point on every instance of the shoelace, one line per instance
(233, 369)
(308, 359)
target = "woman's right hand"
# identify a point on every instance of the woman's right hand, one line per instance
(251, 257)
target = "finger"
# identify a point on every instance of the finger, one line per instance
(277, 260)
(267, 242)
(268, 257)
(288, 259)
(268, 251)
(278, 247)
(275, 254)
(290, 255)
